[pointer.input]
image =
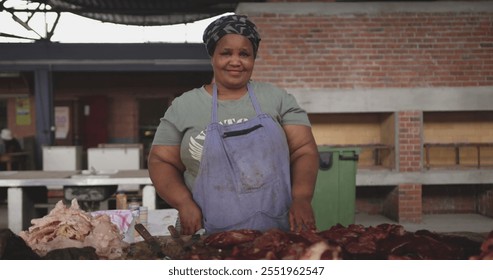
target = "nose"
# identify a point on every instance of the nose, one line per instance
(235, 60)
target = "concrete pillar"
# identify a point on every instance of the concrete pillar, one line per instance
(45, 125)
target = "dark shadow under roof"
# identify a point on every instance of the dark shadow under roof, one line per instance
(103, 57)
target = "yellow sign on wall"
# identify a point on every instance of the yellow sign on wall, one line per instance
(22, 111)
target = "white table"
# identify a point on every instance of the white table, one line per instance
(19, 182)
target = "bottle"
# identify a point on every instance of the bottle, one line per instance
(121, 201)
(133, 206)
(143, 215)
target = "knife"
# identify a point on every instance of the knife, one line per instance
(151, 241)
(185, 245)
(176, 236)
(195, 237)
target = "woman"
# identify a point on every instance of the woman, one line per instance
(235, 153)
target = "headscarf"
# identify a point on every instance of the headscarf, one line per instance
(231, 24)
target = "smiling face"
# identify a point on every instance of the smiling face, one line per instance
(233, 61)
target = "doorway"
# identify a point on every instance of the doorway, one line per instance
(3, 113)
(150, 111)
(94, 121)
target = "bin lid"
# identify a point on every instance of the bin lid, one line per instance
(328, 148)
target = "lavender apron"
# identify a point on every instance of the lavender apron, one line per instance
(244, 176)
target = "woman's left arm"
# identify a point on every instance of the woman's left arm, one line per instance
(304, 167)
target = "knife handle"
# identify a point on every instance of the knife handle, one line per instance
(174, 233)
(141, 229)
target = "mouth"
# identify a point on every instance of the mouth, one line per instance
(234, 72)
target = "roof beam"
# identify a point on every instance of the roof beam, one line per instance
(103, 57)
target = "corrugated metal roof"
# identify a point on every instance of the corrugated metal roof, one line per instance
(144, 12)
(128, 12)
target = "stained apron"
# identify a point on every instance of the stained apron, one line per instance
(244, 176)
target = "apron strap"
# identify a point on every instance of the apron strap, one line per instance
(253, 98)
(214, 104)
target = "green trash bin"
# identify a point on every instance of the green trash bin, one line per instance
(335, 191)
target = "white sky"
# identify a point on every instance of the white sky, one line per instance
(76, 29)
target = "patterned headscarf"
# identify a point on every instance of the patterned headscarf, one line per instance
(232, 24)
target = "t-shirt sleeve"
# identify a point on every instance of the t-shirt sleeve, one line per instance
(291, 112)
(167, 132)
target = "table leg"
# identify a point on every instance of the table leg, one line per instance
(149, 197)
(21, 206)
(15, 203)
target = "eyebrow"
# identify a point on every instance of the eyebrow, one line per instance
(231, 49)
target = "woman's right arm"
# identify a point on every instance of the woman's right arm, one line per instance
(166, 172)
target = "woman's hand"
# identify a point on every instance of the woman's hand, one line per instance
(304, 168)
(166, 172)
(301, 215)
(190, 218)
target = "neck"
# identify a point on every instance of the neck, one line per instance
(224, 93)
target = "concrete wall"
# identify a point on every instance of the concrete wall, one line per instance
(374, 45)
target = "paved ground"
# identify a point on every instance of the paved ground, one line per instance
(437, 223)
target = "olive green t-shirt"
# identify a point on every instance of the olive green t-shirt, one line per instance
(186, 120)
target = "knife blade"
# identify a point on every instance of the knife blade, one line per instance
(195, 237)
(186, 246)
(151, 241)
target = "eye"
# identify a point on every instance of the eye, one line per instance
(225, 53)
(244, 54)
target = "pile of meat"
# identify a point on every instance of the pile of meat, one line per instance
(385, 241)
(71, 227)
(486, 249)
(272, 244)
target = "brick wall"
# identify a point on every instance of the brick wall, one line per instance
(124, 91)
(410, 204)
(375, 50)
(450, 199)
(371, 200)
(123, 114)
(12, 88)
(485, 201)
(409, 139)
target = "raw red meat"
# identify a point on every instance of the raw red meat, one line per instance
(385, 241)
(231, 238)
(486, 249)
